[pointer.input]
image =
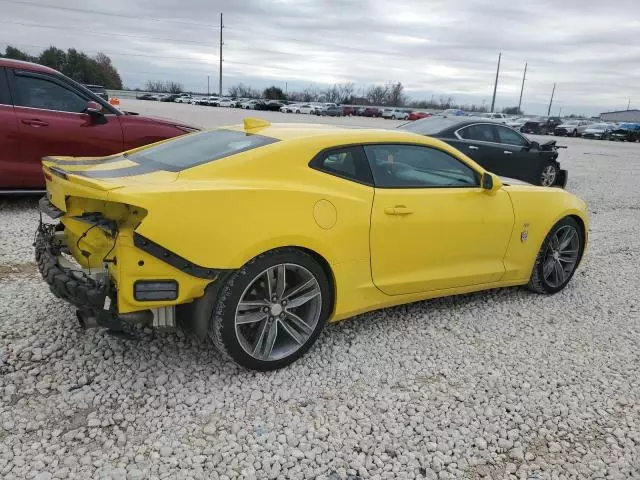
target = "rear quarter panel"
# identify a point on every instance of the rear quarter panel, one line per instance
(249, 206)
(536, 211)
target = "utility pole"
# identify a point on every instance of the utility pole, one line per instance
(551, 101)
(524, 75)
(629, 104)
(560, 112)
(495, 85)
(286, 89)
(208, 91)
(221, 43)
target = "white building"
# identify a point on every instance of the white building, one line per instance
(621, 116)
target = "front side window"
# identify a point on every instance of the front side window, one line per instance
(480, 132)
(38, 92)
(510, 137)
(414, 166)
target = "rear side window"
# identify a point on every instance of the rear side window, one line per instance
(345, 162)
(197, 148)
(481, 132)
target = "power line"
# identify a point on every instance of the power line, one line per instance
(111, 14)
(108, 34)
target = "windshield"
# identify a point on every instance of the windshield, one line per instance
(430, 125)
(197, 148)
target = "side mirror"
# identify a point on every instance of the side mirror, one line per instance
(490, 182)
(94, 110)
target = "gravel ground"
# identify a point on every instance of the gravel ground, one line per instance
(503, 384)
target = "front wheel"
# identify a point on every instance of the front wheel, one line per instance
(558, 257)
(548, 175)
(270, 312)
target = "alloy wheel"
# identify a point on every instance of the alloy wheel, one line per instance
(548, 176)
(561, 256)
(278, 312)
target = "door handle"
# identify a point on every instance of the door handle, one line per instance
(398, 210)
(473, 147)
(507, 152)
(34, 122)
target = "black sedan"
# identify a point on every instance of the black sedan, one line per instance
(540, 126)
(496, 147)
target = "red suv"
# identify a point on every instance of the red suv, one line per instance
(42, 113)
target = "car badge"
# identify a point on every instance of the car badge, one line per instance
(525, 233)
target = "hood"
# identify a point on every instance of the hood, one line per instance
(166, 121)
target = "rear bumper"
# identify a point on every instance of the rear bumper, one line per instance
(71, 285)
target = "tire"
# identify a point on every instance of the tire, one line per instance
(247, 342)
(575, 133)
(550, 282)
(548, 175)
(393, 117)
(297, 111)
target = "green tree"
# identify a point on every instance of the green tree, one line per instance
(77, 65)
(512, 111)
(16, 54)
(274, 93)
(54, 58)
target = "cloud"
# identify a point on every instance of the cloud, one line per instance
(435, 48)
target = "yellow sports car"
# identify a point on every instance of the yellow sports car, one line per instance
(256, 235)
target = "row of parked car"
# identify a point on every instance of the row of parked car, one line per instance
(533, 125)
(327, 108)
(576, 128)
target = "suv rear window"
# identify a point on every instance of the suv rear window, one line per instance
(197, 148)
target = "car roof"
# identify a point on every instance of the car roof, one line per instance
(297, 131)
(34, 67)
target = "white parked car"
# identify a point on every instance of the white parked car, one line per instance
(198, 101)
(500, 117)
(305, 108)
(249, 105)
(212, 101)
(516, 123)
(395, 114)
(227, 102)
(291, 108)
(183, 98)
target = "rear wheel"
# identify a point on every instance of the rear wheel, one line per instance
(558, 257)
(270, 312)
(548, 175)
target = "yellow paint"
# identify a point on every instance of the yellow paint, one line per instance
(223, 213)
(325, 214)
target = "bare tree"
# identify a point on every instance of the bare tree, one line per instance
(395, 95)
(346, 91)
(163, 86)
(377, 94)
(332, 94)
(243, 91)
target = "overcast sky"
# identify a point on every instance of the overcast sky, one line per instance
(434, 47)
